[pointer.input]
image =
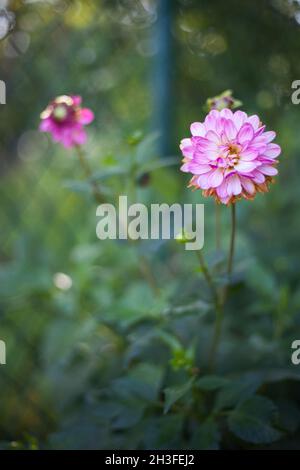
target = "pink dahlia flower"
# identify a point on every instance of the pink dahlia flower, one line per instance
(230, 156)
(64, 119)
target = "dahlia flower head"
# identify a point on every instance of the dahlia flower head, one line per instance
(230, 156)
(64, 119)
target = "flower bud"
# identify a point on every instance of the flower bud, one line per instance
(183, 237)
(222, 101)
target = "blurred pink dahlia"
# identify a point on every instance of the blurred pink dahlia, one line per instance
(64, 119)
(230, 156)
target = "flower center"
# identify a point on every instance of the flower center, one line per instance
(60, 112)
(233, 149)
(230, 155)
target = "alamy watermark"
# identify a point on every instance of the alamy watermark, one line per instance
(161, 221)
(2, 353)
(295, 97)
(295, 358)
(2, 92)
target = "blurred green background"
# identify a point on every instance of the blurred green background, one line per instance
(96, 357)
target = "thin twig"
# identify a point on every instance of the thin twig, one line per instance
(99, 198)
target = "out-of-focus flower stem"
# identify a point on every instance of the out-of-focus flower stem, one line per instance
(99, 198)
(217, 334)
(207, 275)
(218, 225)
(218, 308)
(145, 266)
(232, 240)
(146, 271)
(222, 298)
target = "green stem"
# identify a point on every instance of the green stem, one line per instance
(207, 275)
(88, 173)
(223, 296)
(146, 271)
(218, 307)
(143, 263)
(145, 267)
(232, 240)
(218, 225)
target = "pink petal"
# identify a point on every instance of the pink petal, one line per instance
(245, 166)
(228, 172)
(267, 160)
(200, 158)
(272, 150)
(248, 185)
(259, 139)
(239, 117)
(249, 154)
(187, 148)
(260, 130)
(226, 113)
(258, 147)
(245, 134)
(258, 177)
(65, 138)
(220, 125)
(222, 190)
(211, 120)
(203, 180)
(79, 136)
(46, 125)
(185, 143)
(86, 116)
(254, 121)
(230, 130)
(225, 200)
(268, 136)
(197, 128)
(268, 170)
(185, 167)
(198, 169)
(58, 135)
(212, 154)
(216, 178)
(77, 100)
(234, 187)
(201, 142)
(213, 137)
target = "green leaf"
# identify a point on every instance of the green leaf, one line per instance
(158, 164)
(238, 391)
(169, 339)
(280, 375)
(135, 138)
(127, 416)
(289, 416)
(206, 436)
(211, 382)
(252, 421)
(104, 174)
(173, 394)
(162, 432)
(147, 147)
(78, 186)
